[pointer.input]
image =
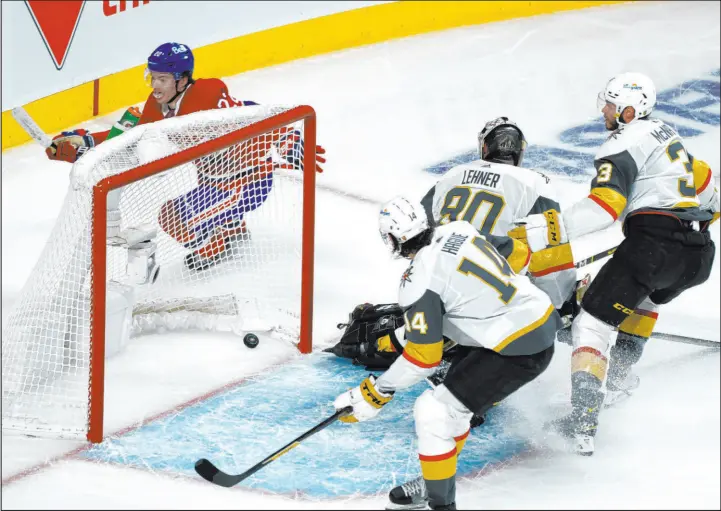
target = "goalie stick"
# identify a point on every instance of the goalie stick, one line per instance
(213, 474)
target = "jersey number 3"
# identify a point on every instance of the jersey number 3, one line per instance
(675, 150)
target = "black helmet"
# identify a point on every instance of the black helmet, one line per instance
(502, 141)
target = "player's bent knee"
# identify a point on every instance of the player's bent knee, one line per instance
(437, 423)
(169, 220)
(167, 216)
(590, 332)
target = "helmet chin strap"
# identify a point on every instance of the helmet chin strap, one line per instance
(179, 92)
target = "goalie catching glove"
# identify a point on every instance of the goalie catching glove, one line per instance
(69, 146)
(540, 231)
(365, 399)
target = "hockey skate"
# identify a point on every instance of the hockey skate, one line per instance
(235, 234)
(579, 427)
(619, 391)
(410, 495)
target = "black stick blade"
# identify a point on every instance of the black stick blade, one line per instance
(206, 469)
(213, 474)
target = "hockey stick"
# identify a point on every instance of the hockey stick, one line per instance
(213, 474)
(595, 257)
(687, 340)
(31, 127)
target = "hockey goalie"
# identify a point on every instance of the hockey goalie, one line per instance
(208, 220)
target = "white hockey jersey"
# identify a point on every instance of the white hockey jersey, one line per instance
(492, 197)
(460, 287)
(644, 167)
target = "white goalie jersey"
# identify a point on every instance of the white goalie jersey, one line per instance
(461, 288)
(492, 197)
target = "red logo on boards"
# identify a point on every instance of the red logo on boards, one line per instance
(56, 22)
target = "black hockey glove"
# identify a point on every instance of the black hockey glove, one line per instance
(369, 337)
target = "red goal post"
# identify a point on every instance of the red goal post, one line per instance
(25, 393)
(100, 194)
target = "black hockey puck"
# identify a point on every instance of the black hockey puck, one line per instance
(251, 340)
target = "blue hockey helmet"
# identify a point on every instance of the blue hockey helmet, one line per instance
(175, 58)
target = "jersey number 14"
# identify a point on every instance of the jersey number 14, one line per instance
(506, 290)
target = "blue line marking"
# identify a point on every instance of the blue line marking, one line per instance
(239, 428)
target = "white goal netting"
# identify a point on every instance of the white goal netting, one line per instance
(214, 243)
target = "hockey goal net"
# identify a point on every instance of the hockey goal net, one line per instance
(231, 187)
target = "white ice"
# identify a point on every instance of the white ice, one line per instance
(384, 112)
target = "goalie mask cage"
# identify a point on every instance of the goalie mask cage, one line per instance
(238, 181)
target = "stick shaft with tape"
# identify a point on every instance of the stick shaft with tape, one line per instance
(31, 127)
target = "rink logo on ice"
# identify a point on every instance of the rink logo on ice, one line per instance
(242, 426)
(690, 108)
(57, 23)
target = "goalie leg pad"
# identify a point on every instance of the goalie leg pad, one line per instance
(142, 267)
(120, 299)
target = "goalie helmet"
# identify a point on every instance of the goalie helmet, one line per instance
(401, 221)
(629, 89)
(502, 141)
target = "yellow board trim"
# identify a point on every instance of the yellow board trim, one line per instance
(358, 27)
(508, 340)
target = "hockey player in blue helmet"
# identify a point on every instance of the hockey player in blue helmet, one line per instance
(208, 218)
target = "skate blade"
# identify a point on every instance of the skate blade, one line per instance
(614, 398)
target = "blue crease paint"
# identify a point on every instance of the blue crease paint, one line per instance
(242, 426)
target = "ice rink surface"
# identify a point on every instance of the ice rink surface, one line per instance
(385, 113)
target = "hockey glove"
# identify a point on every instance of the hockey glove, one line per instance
(365, 399)
(290, 149)
(70, 145)
(369, 338)
(540, 231)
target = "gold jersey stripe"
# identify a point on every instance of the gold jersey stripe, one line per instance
(701, 175)
(528, 328)
(551, 260)
(609, 199)
(423, 355)
(520, 256)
